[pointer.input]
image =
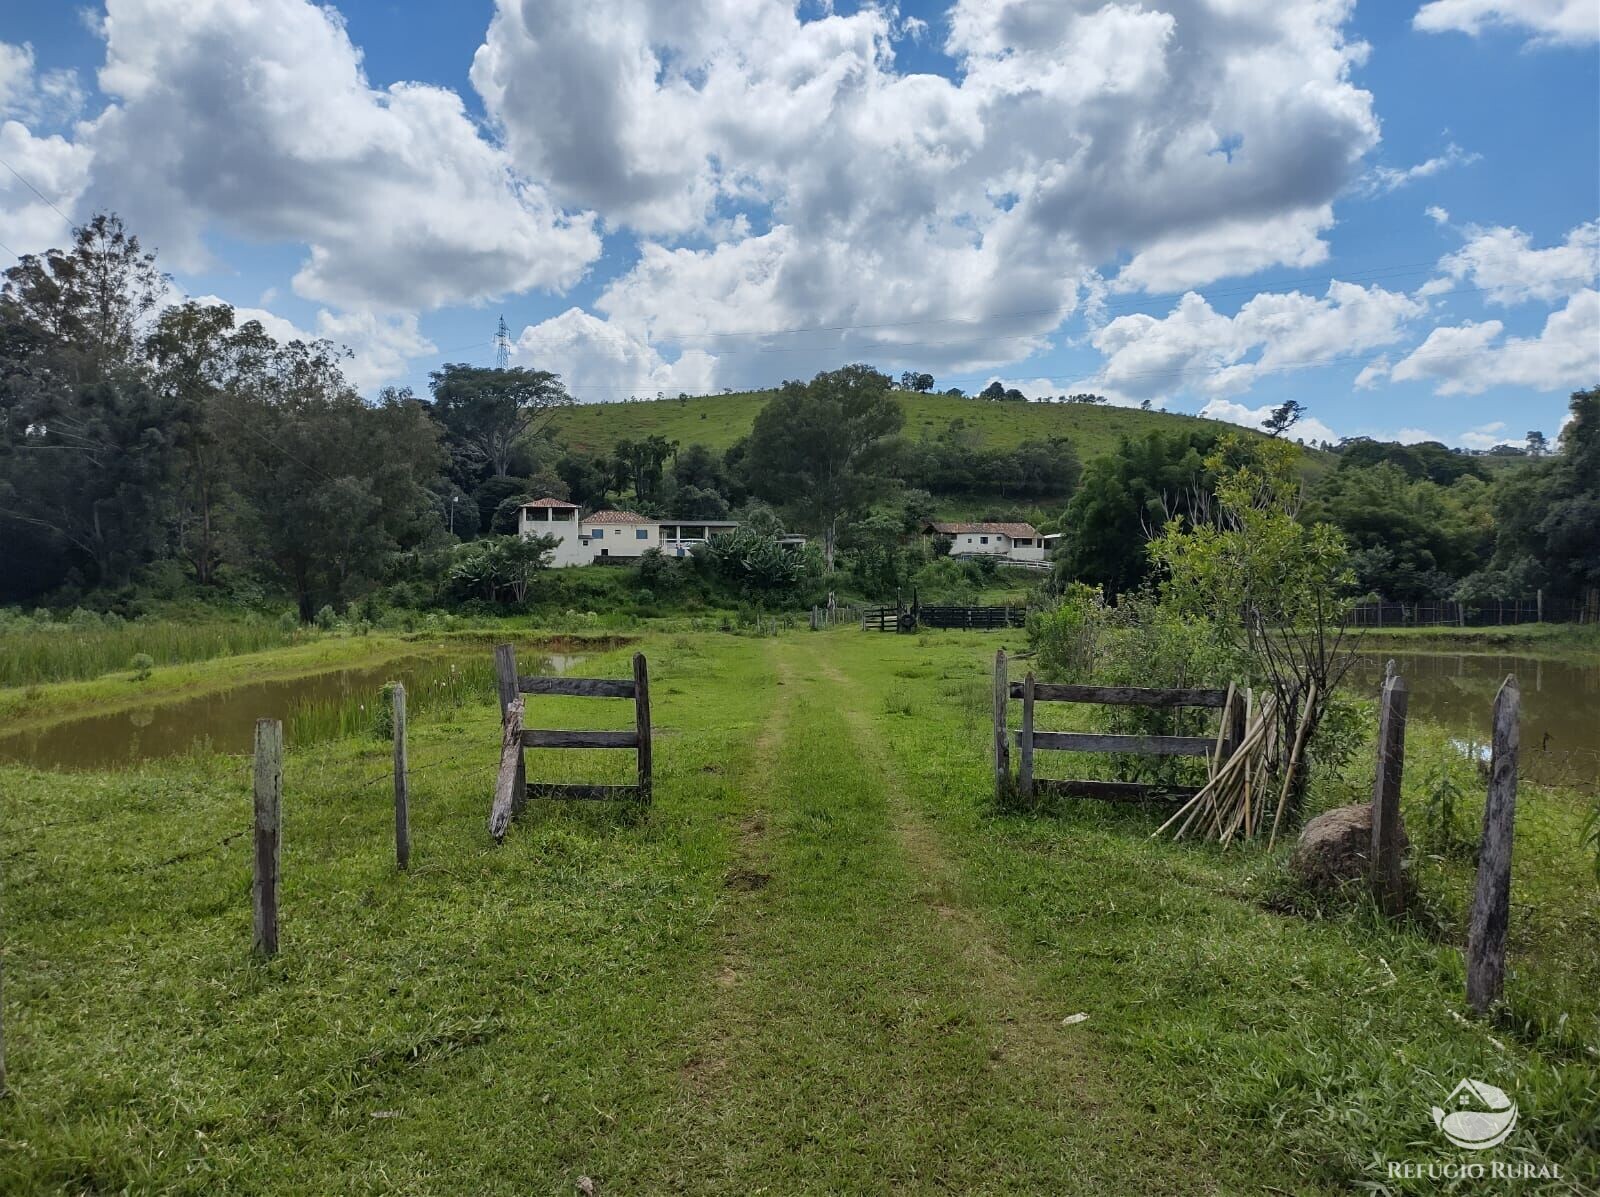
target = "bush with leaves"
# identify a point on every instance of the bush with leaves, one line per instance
(1271, 587)
(497, 568)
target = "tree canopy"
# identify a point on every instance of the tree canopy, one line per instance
(824, 449)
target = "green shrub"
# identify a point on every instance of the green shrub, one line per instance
(141, 665)
(327, 619)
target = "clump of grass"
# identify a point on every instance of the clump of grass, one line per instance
(35, 650)
(435, 689)
(898, 702)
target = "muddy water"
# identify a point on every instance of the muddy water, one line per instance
(1560, 705)
(224, 721)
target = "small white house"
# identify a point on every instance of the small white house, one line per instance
(1021, 543)
(558, 518)
(620, 534)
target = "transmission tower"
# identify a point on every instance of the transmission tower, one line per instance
(502, 346)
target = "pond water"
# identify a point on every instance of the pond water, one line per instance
(312, 707)
(1560, 705)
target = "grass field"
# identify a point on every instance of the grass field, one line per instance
(719, 420)
(821, 962)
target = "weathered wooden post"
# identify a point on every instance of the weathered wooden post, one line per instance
(1237, 717)
(1388, 881)
(4, 1090)
(1540, 601)
(402, 792)
(269, 832)
(641, 723)
(505, 674)
(1025, 742)
(1491, 898)
(1002, 751)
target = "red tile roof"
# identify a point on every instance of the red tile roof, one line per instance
(617, 517)
(1011, 530)
(549, 503)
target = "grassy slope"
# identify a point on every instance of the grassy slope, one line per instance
(719, 420)
(820, 963)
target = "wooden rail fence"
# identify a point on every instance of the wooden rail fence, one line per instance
(512, 789)
(978, 619)
(1029, 740)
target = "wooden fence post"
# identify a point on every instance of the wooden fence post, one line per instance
(269, 832)
(4, 1089)
(1237, 719)
(1025, 741)
(641, 722)
(505, 673)
(1491, 898)
(402, 790)
(1388, 882)
(1002, 751)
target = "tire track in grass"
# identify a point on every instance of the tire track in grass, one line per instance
(748, 874)
(873, 1035)
(1031, 1034)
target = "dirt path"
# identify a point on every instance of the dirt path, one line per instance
(867, 1029)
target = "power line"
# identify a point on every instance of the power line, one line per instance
(35, 191)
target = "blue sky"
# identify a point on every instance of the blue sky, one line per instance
(1384, 210)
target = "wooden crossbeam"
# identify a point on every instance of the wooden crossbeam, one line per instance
(1114, 791)
(533, 737)
(1122, 696)
(1142, 745)
(578, 687)
(579, 789)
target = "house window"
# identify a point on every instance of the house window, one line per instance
(598, 533)
(983, 540)
(642, 534)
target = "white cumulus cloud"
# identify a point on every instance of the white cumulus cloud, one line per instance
(259, 120)
(1549, 21)
(601, 362)
(1198, 349)
(1190, 140)
(1504, 262)
(1472, 357)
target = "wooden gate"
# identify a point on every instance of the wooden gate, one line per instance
(1029, 740)
(512, 788)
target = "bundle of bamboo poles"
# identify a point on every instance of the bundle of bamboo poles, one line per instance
(1237, 796)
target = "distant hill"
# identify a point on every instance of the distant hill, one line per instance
(717, 421)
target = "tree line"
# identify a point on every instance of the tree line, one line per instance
(143, 439)
(1422, 522)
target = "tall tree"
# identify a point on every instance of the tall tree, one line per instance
(88, 445)
(329, 487)
(825, 448)
(1125, 497)
(486, 412)
(1284, 417)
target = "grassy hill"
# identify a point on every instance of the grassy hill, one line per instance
(717, 421)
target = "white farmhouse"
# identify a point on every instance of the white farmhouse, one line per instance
(604, 535)
(620, 534)
(1020, 543)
